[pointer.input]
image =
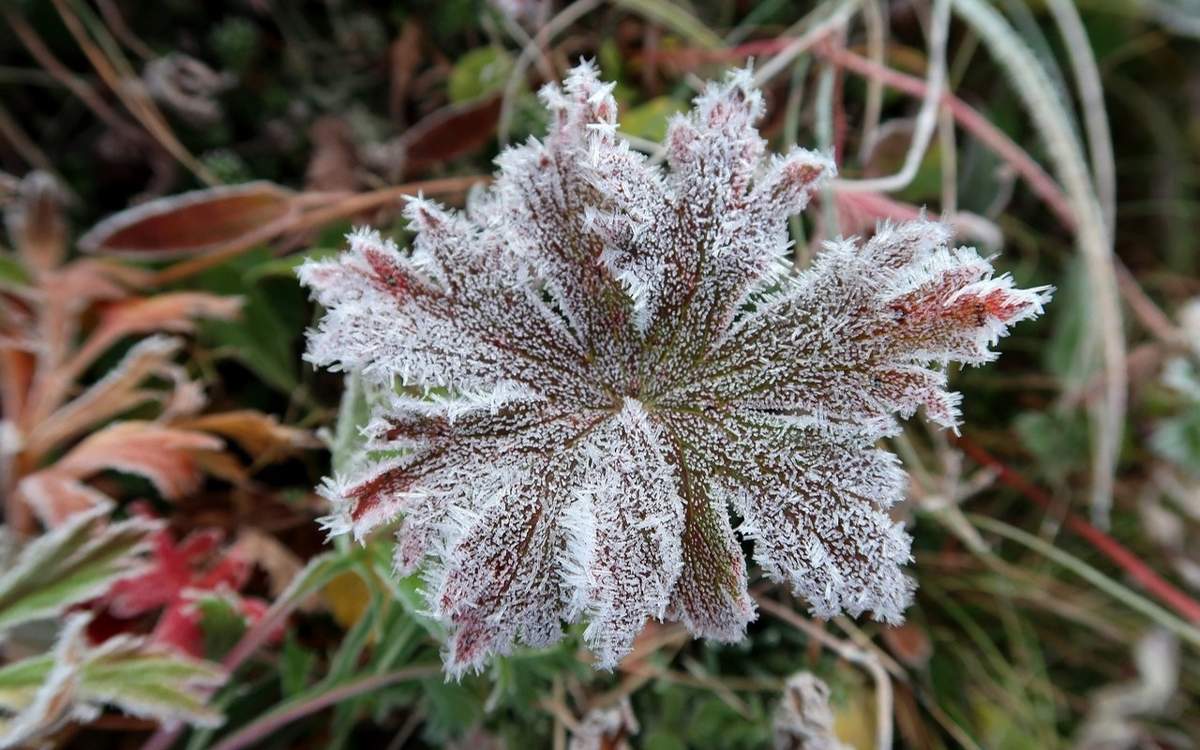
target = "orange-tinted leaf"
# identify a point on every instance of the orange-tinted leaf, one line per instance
(164, 455)
(55, 498)
(175, 312)
(259, 434)
(117, 392)
(191, 223)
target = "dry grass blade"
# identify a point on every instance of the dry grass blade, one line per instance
(1095, 244)
(135, 99)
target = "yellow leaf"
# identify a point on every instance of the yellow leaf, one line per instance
(347, 598)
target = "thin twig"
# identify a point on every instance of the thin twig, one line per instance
(129, 90)
(801, 44)
(531, 51)
(876, 22)
(61, 73)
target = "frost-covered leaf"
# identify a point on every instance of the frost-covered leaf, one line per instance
(77, 680)
(606, 728)
(75, 562)
(35, 222)
(804, 720)
(614, 356)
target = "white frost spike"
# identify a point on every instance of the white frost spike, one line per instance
(613, 355)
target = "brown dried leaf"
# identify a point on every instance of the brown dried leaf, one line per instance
(334, 159)
(191, 223)
(164, 455)
(909, 643)
(35, 223)
(175, 312)
(259, 434)
(450, 132)
(280, 563)
(404, 57)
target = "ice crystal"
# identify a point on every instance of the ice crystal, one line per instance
(599, 360)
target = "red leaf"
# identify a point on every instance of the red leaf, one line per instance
(450, 133)
(191, 223)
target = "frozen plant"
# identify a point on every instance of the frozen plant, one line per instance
(600, 359)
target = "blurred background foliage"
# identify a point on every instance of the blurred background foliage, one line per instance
(1032, 628)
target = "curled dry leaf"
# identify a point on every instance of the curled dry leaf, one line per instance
(804, 720)
(606, 728)
(187, 85)
(191, 223)
(35, 223)
(279, 562)
(260, 435)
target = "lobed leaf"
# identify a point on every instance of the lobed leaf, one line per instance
(613, 357)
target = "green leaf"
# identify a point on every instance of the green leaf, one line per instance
(675, 18)
(20, 680)
(1058, 440)
(146, 681)
(285, 268)
(451, 708)
(264, 336)
(1178, 439)
(12, 273)
(222, 624)
(73, 563)
(296, 665)
(353, 414)
(650, 120)
(479, 72)
(346, 658)
(77, 680)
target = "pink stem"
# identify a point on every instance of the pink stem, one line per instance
(257, 730)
